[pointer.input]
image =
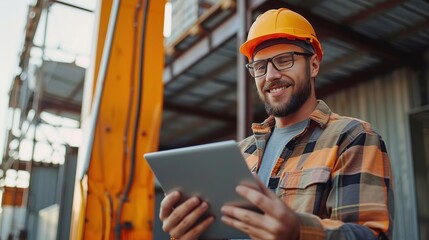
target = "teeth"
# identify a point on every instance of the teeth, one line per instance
(277, 89)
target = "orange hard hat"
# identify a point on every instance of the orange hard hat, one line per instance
(280, 23)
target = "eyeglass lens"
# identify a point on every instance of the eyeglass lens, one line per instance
(280, 62)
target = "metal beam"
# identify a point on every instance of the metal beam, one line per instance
(244, 88)
(61, 106)
(33, 18)
(329, 66)
(226, 132)
(77, 88)
(395, 36)
(215, 135)
(199, 112)
(173, 136)
(255, 3)
(218, 95)
(226, 66)
(364, 15)
(201, 49)
(71, 5)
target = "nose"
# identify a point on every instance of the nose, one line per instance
(272, 72)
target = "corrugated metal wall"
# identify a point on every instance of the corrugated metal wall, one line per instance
(49, 185)
(385, 102)
(42, 194)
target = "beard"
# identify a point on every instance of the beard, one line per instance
(295, 102)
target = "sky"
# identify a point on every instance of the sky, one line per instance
(13, 14)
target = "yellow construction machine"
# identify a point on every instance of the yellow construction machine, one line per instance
(121, 118)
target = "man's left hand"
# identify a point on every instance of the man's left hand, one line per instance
(276, 222)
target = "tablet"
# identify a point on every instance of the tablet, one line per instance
(209, 171)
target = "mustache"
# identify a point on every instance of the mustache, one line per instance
(277, 83)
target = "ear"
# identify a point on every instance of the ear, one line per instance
(314, 66)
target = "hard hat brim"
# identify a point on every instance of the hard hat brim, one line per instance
(248, 47)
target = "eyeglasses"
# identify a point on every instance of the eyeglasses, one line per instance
(280, 62)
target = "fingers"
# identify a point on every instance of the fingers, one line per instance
(265, 199)
(180, 221)
(247, 221)
(184, 224)
(278, 221)
(252, 231)
(260, 226)
(171, 223)
(246, 216)
(255, 197)
(196, 231)
(167, 204)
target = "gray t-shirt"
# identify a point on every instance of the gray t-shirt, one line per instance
(275, 145)
(278, 140)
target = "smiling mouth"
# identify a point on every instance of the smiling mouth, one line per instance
(277, 89)
(274, 90)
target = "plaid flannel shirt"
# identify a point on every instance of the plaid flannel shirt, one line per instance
(335, 174)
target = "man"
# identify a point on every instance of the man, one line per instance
(323, 176)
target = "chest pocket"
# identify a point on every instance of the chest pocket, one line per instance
(304, 190)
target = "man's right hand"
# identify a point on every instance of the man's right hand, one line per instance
(180, 220)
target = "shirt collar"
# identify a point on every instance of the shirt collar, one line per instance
(320, 115)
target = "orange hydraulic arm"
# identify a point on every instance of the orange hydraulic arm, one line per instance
(121, 117)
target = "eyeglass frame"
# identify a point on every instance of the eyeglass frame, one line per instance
(267, 60)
